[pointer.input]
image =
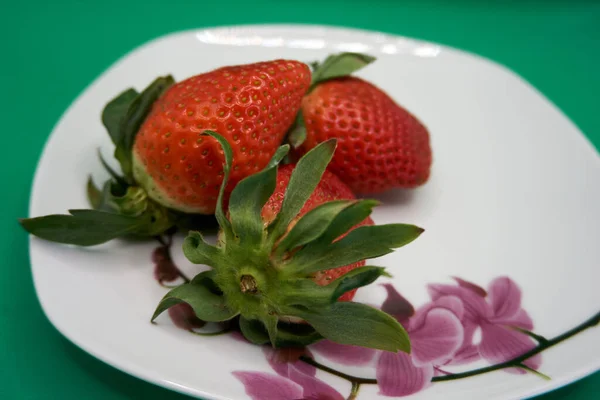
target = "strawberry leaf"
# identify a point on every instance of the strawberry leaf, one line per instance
(248, 198)
(270, 322)
(296, 335)
(115, 111)
(311, 225)
(132, 120)
(304, 180)
(346, 219)
(118, 178)
(297, 134)
(219, 213)
(306, 293)
(94, 194)
(338, 65)
(254, 331)
(360, 244)
(358, 325)
(356, 278)
(198, 251)
(201, 295)
(83, 227)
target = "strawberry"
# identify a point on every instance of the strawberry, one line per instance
(329, 188)
(381, 145)
(294, 240)
(251, 105)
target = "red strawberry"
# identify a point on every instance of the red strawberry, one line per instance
(380, 144)
(251, 105)
(288, 235)
(329, 188)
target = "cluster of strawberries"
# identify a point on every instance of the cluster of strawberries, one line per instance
(380, 144)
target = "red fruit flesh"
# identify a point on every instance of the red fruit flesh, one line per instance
(252, 106)
(380, 144)
(329, 188)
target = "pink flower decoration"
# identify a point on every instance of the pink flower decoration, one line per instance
(435, 332)
(496, 312)
(294, 380)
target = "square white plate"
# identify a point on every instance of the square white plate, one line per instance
(514, 191)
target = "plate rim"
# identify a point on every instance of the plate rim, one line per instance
(142, 374)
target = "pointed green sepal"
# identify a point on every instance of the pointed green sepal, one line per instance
(202, 295)
(198, 251)
(358, 325)
(249, 197)
(303, 181)
(360, 244)
(228, 153)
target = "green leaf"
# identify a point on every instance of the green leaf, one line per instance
(347, 219)
(305, 292)
(198, 251)
(338, 65)
(356, 278)
(270, 322)
(312, 225)
(134, 117)
(279, 155)
(357, 324)
(219, 213)
(121, 182)
(94, 194)
(114, 112)
(200, 295)
(248, 198)
(296, 335)
(82, 227)
(254, 331)
(360, 244)
(288, 334)
(302, 184)
(297, 134)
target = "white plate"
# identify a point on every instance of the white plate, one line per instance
(515, 191)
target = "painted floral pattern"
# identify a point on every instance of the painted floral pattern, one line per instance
(462, 323)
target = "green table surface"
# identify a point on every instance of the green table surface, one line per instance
(52, 50)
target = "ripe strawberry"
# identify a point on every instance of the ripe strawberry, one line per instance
(289, 248)
(329, 188)
(251, 105)
(380, 144)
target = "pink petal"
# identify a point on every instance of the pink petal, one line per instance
(344, 354)
(396, 305)
(313, 388)
(505, 297)
(465, 355)
(450, 303)
(468, 352)
(398, 376)
(500, 344)
(264, 386)
(470, 285)
(438, 338)
(475, 306)
(281, 359)
(521, 320)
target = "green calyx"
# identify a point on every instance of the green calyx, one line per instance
(262, 273)
(121, 207)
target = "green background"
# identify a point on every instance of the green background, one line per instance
(53, 50)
